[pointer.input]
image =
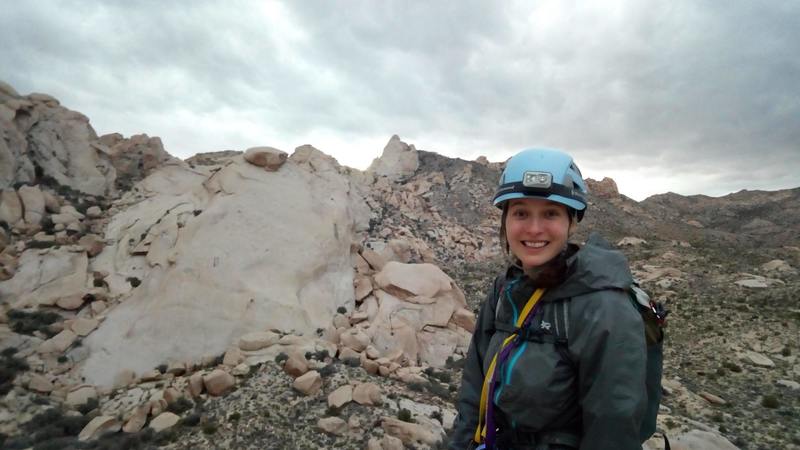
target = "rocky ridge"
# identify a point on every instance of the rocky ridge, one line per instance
(378, 366)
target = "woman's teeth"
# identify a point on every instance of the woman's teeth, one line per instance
(537, 244)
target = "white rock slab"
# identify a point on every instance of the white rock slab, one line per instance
(286, 266)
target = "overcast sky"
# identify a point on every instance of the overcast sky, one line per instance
(683, 96)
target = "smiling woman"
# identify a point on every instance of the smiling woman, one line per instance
(558, 359)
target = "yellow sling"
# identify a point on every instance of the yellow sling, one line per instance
(480, 430)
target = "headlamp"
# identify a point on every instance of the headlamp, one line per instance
(541, 180)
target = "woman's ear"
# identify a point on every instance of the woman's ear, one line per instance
(573, 225)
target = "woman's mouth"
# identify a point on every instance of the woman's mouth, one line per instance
(534, 244)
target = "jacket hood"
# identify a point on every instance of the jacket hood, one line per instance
(596, 266)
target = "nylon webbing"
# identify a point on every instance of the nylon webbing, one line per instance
(486, 430)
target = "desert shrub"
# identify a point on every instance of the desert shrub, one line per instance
(281, 357)
(192, 420)
(180, 406)
(25, 322)
(10, 366)
(442, 376)
(17, 443)
(328, 370)
(352, 362)
(165, 437)
(209, 428)
(733, 367)
(234, 417)
(417, 387)
(450, 363)
(40, 244)
(438, 389)
(40, 400)
(405, 415)
(770, 401)
(51, 429)
(90, 404)
(83, 204)
(218, 360)
(318, 355)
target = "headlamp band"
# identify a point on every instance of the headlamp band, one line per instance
(554, 189)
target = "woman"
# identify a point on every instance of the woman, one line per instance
(558, 353)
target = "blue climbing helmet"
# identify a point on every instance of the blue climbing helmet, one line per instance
(543, 173)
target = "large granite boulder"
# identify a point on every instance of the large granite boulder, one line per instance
(45, 276)
(223, 252)
(397, 162)
(45, 139)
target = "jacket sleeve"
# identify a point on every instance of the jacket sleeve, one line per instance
(608, 343)
(472, 375)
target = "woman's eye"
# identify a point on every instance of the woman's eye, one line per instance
(551, 213)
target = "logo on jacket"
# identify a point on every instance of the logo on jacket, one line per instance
(545, 325)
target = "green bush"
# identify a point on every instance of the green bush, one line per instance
(10, 366)
(770, 401)
(24, 322)
(180, 406)
(40, 244)
(352, 362)
(87, 407)
(405, 415)
(192, 420)
(733, 367)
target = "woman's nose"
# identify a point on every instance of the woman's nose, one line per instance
(533, 225)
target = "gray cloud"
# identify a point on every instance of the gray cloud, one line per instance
(689, 96)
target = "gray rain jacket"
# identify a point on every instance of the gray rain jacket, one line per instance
(598, 393)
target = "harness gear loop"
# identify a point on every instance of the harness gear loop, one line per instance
(485, 430)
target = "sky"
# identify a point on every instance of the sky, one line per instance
(687, 96)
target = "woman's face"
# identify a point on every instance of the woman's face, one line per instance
(536, 230)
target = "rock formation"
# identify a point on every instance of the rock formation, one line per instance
(286, 266)
(397, 162)
(44, 139)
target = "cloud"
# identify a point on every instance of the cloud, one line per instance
(691, 96)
